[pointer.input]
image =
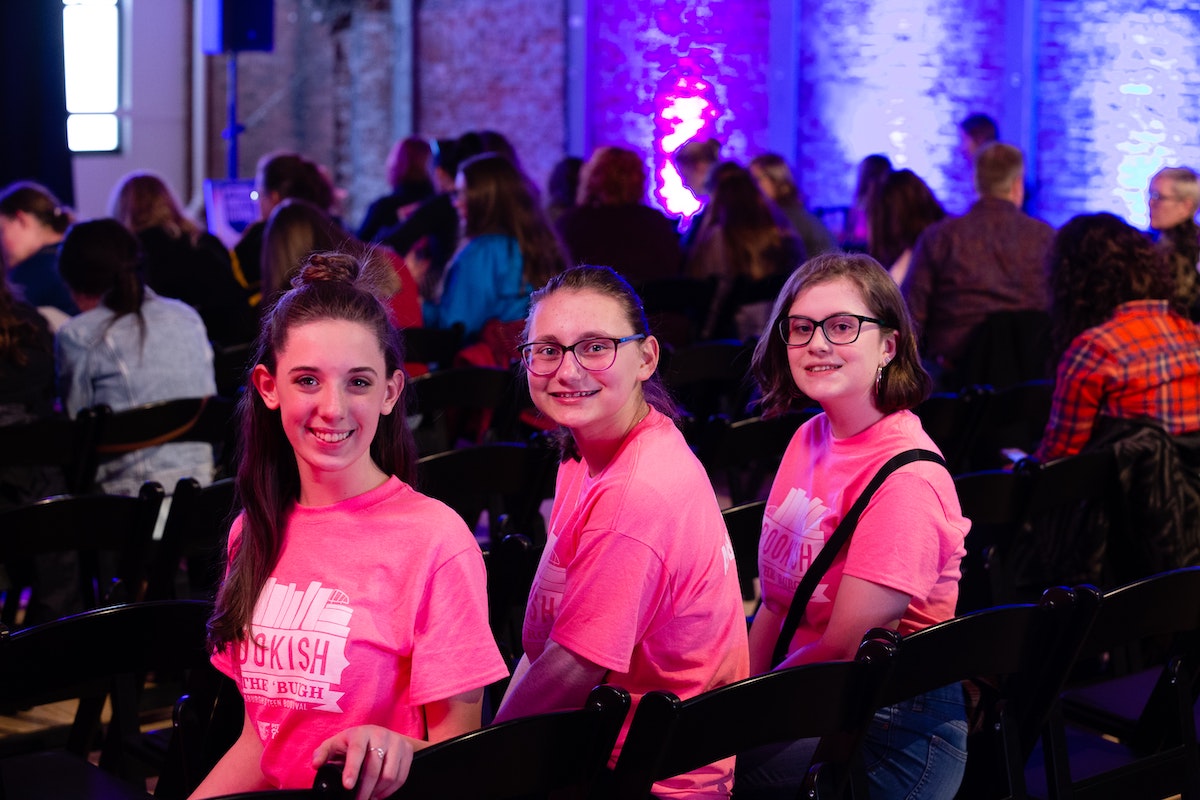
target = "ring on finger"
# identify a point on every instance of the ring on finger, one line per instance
(379, 751)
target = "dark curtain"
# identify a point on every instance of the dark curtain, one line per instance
(33, 102)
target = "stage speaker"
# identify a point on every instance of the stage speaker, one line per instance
(231, 25)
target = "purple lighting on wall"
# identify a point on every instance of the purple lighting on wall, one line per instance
(685, 110)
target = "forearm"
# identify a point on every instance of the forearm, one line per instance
(238, 770)
(557, 680)
(454, 716)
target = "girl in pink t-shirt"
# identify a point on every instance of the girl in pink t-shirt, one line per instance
(841, 337)
(637, 585)
(354, 614)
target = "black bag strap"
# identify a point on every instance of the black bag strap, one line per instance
(820, 564)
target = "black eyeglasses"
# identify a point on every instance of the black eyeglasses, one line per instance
(595, 355)
(838, 329)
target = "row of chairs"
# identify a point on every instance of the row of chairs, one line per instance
(1039, 734)
(77, 445)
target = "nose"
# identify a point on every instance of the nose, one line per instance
(332, 403)
(819, 341)
(569, 368)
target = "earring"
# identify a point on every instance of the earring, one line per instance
(878, 378)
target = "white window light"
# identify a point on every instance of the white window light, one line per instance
(91, 39)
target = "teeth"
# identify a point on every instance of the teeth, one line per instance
(575, 394)
(821, 369)
(331, 438)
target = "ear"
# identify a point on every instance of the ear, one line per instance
(649, 353)
(393, 387)
(890, 346)
(264, 384)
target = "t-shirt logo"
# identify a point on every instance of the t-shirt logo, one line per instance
(791, 539)
(298, 647)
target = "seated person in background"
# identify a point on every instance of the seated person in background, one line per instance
(637, 586)
(180, 260)
(613, 226)
(777, 183)
(129, 347)
(509, 248)
(841, 337)
(277, 177)
(429, 235)
(695, 160)
(977, 130)
(749, 247)
(990, 259)
(899, 210)
(32, 223)
(1174, 199)
(27, 394)
(410, 174)
(1124, 351)
(335, 551)
(871, 171)
(562, 188)
(296, 229)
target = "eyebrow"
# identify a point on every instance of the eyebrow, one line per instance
(352, 370)
(582, 337)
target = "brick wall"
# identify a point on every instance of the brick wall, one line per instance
(498, 65)
(894, 77)
(1119, 98)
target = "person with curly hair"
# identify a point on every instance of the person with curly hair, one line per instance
(1125, 352)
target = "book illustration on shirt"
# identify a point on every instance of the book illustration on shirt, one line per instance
(297, 648)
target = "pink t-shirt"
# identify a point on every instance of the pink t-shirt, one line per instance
(638, 576)
(909, 537)
(378, 605)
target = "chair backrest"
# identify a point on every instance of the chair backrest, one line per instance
(99, 651)
(952, 420)
(189, 419)
(433, 347)
(744, 525)
(1025, 653)
(231, 363)
(509, 479)
(446, 398)
(670, 736)
(511, 564)
(527, 757)
(1012, 417)
(676, 308)
(196, 527)
(57, 442)
(748, 451)
(89, 526)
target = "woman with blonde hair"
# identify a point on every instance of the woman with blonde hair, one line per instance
(181, 260)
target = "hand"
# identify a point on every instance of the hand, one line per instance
(376, 759)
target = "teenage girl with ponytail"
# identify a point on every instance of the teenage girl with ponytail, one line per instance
(353, 615)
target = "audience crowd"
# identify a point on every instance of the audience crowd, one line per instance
(637, 585)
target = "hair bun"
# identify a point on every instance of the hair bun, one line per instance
(331, 267)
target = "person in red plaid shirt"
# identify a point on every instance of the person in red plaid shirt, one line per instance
(1126, 352)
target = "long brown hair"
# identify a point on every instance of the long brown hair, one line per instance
(329, 286)
(501, 199)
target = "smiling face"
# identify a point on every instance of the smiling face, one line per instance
(330, 387)
(840, 377)
(594, 406)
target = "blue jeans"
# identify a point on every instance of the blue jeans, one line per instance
(915, 750)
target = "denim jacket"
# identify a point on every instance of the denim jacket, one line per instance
(100, 360)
